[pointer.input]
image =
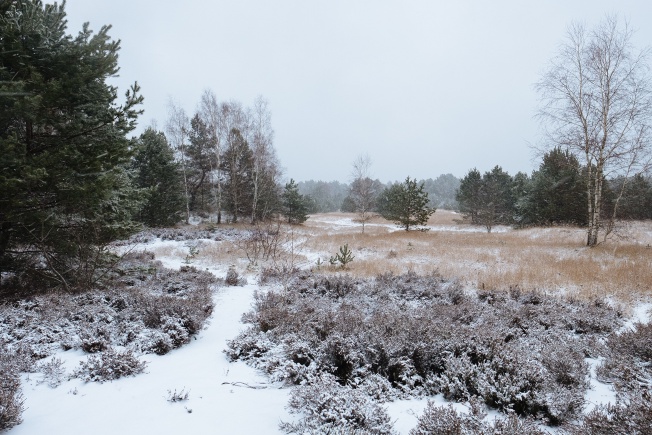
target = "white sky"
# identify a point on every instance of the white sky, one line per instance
(423, 87)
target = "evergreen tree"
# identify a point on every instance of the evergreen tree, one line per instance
(201, 163)
(160, 176)
(468, 195)
(348, 205)
(294, 204)
(237, 166)
(496, 201)
(487, 200)
(557, 192)
(64, 188)
(636, 202)
(406, 204)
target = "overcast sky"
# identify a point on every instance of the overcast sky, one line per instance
(423, 87)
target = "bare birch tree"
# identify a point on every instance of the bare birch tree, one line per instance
(177, 127)
(266, 168)
(364, 190)
(209, 110)
(596, 102)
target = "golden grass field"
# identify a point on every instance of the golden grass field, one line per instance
(552, 259)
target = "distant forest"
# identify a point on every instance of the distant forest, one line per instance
(332, 196)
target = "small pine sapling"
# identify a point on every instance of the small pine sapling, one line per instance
(344, 257)
(193, 251)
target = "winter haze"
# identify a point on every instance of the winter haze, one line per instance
(423, 87)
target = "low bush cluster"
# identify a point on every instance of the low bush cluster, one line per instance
(444, 420)
(141, 308)
(628, 366)
(409, 335)
(183, 234)
(328, 407)
(11, 398)
(109, 365)
(144, 308)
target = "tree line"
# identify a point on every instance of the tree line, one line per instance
(555, 194)
(72, 181)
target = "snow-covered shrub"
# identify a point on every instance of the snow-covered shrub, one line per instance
(93, 339)
(175, 328)
(628, 358)
(180, 396)
(628, 416)
(328, 407)
(142, 306)
(109, 365)
(248, 345)
(628, 366)
(444, 420)
(155, 341)
(11, 398)
(232, 276)
(519, 351)
(53, 372)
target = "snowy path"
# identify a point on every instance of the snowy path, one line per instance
(138, 405)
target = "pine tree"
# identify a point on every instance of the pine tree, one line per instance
(488, 199)
(468, 195)
(64, 188)
(294, 204)
(636, 202)
(556, 193)
(201, 163)
(160, 176)
(406, 204)
(495, 199)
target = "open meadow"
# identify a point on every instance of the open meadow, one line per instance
(552, 260)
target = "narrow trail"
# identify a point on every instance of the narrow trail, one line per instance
(218, 403)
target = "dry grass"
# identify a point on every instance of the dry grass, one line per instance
(546, 259)
(552, 260)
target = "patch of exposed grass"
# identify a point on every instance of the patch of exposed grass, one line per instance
(549, 259)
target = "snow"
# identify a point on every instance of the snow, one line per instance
(224, 397)
(219, 399)
(405, 413)
(335, 222)
(640, 314)
(598, 393)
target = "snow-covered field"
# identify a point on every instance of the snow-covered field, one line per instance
(223, 397)
(227, 398)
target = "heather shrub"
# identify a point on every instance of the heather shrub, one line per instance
(144, 307)
(628, 416)
(328, 407)
(628, 366)
(53, 372)
(518, 352)
(11, 398)
(444, 420)
(109, 365)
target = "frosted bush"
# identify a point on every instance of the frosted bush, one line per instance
(109, 365)
(517, 351)
(53, 372)
(11, 398)
(328, 407)
(444, 420)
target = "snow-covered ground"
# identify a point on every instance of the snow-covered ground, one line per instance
(335, 221)
(224, 397)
